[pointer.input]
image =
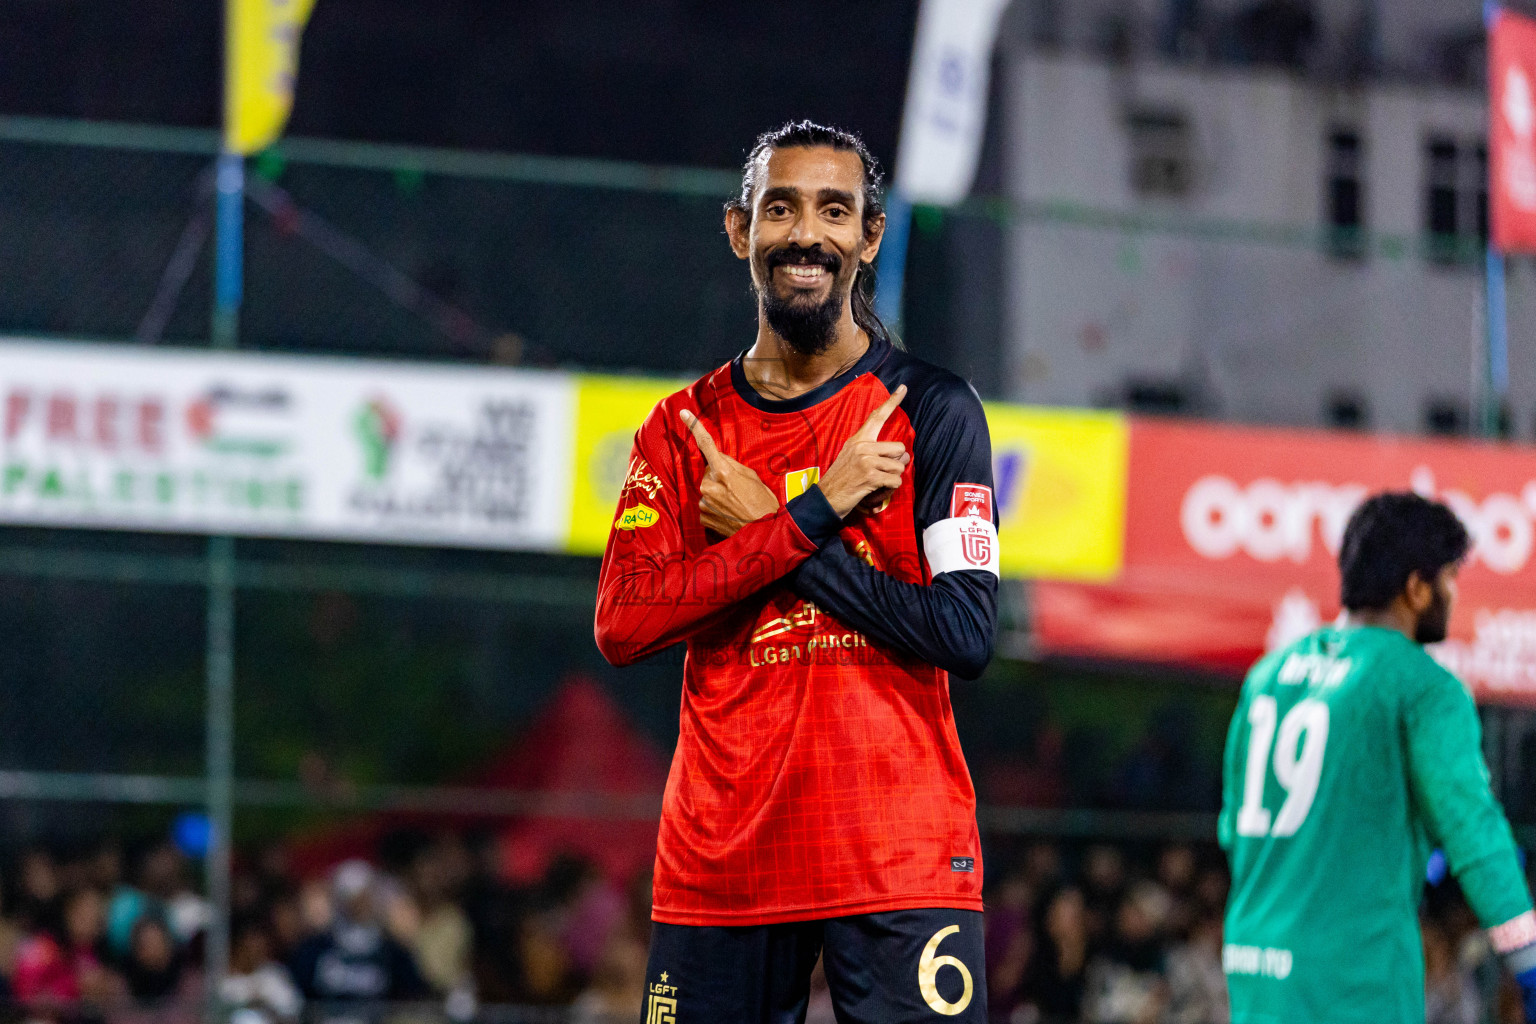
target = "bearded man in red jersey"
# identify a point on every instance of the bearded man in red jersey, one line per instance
(815, 519)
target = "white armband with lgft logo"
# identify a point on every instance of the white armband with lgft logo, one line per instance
(967, 542)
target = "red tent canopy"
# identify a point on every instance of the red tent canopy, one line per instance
(601, 779)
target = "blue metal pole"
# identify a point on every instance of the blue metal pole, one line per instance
(893, 258)
(1496, 318)
(229, 250)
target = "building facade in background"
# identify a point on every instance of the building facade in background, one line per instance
(1252, 244)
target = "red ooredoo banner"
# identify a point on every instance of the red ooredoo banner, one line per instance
(1232, 536)
(1512, 131)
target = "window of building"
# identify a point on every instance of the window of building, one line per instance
(1456, 198)
(1347, 411)
(1156, 397)
(1345, 194)
(1445, 417)
(1161, 152)
(1481, 191)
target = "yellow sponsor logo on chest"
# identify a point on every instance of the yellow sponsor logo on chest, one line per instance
(636, 517)
(798, 481)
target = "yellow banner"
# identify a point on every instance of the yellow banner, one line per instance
(1059, 478)
(608, 412)
(1060, 482)
(261, 62)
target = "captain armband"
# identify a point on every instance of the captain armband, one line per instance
(965, 542)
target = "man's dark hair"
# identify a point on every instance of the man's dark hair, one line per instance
(809, 134)
(1390, 537)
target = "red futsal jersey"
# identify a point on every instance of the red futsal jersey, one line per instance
(817, 771)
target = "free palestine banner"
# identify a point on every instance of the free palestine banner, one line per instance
(118, 437)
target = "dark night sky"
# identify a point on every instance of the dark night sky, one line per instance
(670, 81)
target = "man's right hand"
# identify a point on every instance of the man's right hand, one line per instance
(866, 464)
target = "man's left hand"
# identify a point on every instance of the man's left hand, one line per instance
(730, 495)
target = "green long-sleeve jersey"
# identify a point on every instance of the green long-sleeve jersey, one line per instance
(1352, 754)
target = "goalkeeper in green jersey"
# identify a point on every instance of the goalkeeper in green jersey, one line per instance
(1351, 755)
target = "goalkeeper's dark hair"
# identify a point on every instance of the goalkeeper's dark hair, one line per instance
(807, 134)
(1390, 537)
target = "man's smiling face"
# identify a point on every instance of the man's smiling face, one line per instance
(805, 241)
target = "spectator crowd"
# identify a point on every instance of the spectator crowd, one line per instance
(1097, 933)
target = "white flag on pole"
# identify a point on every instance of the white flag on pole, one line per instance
(946, 110)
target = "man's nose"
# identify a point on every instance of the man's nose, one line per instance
(806, 230)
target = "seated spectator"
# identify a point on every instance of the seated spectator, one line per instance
(38, 888)
(1010, 942)
(163, 890)
(10, 943)
(443, 935)
(1177, 867)
(1104, 881)
(257, 984)
(153, 967)
(355, 959)
(286, 925)
(593, 910)
(1197, 985)
(1055, 980)
(617, 992)
(60, 964)
(1126, 982)
(544, 968)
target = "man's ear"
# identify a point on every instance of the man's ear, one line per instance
(1419, 592)
(738, 228)
(874, 233)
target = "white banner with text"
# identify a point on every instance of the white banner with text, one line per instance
(118, 437)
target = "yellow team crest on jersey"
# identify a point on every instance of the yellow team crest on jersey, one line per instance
(798, 481)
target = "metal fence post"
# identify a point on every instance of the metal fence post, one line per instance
(229, 218)
(220, 729)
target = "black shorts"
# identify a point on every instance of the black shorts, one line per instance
(900, 967)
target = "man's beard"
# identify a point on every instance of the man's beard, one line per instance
(807, 326)
(1435, 623)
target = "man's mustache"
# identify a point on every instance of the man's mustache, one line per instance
(794, 255)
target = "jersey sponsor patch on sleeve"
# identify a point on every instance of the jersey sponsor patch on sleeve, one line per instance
(962, 543)
(636, 517)
(971, 500)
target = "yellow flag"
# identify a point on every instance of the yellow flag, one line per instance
(261, 62)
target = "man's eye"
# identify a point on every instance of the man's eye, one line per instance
(837, 213)
(777, 210)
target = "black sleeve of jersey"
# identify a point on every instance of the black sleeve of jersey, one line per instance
(951, 623)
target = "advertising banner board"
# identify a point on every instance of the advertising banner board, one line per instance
(1059, 476)
(154, 439)
(1512, 131)
(1232, 537)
